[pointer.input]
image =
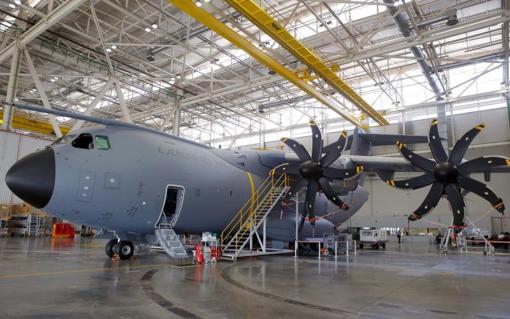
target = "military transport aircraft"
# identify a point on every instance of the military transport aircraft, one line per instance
(125, 178)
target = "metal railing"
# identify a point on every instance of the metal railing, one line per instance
(257, 205)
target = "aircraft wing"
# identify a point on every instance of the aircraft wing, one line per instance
(385, 163)
(396, 164)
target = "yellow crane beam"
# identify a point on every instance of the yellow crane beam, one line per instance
(258, 16)
(202, 16)
(26, 122)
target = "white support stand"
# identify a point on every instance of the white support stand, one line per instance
(297, 226)
(251, 239)
(336, 250)
(461, 242)
(320, 250)
(264, 236)
(489, 248)
(446, 240)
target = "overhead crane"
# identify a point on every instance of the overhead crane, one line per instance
(27, 122)
(258, 16)
(207, 19)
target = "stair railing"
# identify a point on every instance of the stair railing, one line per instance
(246, 215)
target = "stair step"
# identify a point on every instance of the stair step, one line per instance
(169, 241)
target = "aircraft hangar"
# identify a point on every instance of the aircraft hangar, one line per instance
(254, 158)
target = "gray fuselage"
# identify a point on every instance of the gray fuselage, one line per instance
(123, 187)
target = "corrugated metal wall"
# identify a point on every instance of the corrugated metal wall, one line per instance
(14, 146)
(497, 131)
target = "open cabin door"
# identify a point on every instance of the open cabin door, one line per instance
(172, 205)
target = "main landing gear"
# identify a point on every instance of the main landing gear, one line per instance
(123, 248)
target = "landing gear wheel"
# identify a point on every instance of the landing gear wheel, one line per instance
(110, 247)
(125, 249)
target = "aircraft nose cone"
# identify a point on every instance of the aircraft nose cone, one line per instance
(32, 178)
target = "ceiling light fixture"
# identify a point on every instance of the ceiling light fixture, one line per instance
(114, 47)
(147, 30)
(12, 5)
(154, 26)
(199, 4)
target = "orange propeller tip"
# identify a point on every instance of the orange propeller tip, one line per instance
(480, 126)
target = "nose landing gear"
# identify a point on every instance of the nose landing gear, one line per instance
(123, 248)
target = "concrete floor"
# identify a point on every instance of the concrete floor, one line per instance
(42, 278)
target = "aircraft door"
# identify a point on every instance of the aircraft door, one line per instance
(172, 205)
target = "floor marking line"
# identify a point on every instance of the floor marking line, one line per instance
(160, 300)
(227, 278)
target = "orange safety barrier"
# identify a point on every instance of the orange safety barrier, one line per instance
(216, 253)
(62, 230)
(199, 254)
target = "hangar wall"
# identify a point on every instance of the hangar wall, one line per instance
(14, 146)
(495, 137)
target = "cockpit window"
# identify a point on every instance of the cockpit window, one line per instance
(84, 141)
(102, 142)
(64, 139)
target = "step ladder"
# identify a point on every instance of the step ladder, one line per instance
(34, 226)
(171, 244)
(237, 237)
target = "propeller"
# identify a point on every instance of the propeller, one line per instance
(315, 172)
(449, 176)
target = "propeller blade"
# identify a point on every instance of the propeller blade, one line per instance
(299, 149)
(483, 163)
(429, 202)
(296, 187)
(412, 183)
(457, 203)
(435, 144)
(415, 159)
(311, 193)
(334, 150)
(316, 142)
(461, 146)
(481, 190)
(330, 193)
(342, 173)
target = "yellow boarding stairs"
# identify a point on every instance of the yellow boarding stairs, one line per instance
(237, 237)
